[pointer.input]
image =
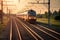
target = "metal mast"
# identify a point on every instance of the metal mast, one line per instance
(49, 12)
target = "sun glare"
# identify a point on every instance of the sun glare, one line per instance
(16, 6)
(20, 5)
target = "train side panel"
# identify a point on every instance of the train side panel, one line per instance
(30, 16)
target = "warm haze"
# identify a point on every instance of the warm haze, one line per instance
(24, 5)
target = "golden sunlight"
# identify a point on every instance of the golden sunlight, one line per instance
(20, 5)
(16, 6)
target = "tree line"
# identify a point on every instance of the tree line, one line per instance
(55, 15)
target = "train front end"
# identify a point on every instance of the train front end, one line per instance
(31, 16)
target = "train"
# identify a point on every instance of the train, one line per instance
(29, 16)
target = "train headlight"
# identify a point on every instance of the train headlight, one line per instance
(34, 17)
(29, 17)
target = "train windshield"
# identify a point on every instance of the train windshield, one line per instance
(32, 13)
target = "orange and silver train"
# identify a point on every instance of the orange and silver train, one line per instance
(29, 16)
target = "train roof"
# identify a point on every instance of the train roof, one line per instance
(32, 12)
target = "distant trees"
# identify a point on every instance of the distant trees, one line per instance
(46, 14)
(56, 15)
(39, 15)
(59, 12)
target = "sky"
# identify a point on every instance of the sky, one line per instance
(21, 5)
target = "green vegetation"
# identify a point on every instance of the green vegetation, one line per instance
(52, 21)
(54, 18)
(43, 20)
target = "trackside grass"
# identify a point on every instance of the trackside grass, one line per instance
(45, 20)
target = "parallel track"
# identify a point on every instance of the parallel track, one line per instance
(33, 33)
(11, 31)
(34, 30)
(44, 30)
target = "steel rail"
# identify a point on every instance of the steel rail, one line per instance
(45, 32)
(11, 31)
(19, 33)
(49, 29)
(33, 32)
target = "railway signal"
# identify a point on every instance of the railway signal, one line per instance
(48, 8)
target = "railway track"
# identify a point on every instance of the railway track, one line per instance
(26, 35)
(22, 30)
(15, 33)
(11, 31)
(18, 31)
(32, 33)
(48, 32)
